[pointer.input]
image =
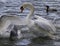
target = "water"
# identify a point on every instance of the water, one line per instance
(11, 7)
(7, 42)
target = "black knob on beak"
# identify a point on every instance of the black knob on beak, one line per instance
(21, 9)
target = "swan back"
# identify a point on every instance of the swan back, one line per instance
(47, 23)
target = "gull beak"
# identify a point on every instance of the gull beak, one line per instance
(21, 8)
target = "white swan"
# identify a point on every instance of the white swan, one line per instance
(40, 24)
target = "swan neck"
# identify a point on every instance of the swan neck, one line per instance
(30, 13)
(30, 6)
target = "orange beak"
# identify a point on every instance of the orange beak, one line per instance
(21, 8)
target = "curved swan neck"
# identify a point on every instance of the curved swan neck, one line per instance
(30, 6)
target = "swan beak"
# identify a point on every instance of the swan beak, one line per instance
(21, 8)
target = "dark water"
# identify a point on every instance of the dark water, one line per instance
(41, 41)
(26, 42)
(11, 7)
(21, 42)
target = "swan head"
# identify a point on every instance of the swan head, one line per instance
(26, 5)
(22, 8)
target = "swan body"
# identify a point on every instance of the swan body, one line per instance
(40, 24)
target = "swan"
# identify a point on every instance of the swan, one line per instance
(40, 24)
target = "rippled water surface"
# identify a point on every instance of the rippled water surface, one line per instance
(12, 7)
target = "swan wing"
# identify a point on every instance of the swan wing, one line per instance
(45, 27)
